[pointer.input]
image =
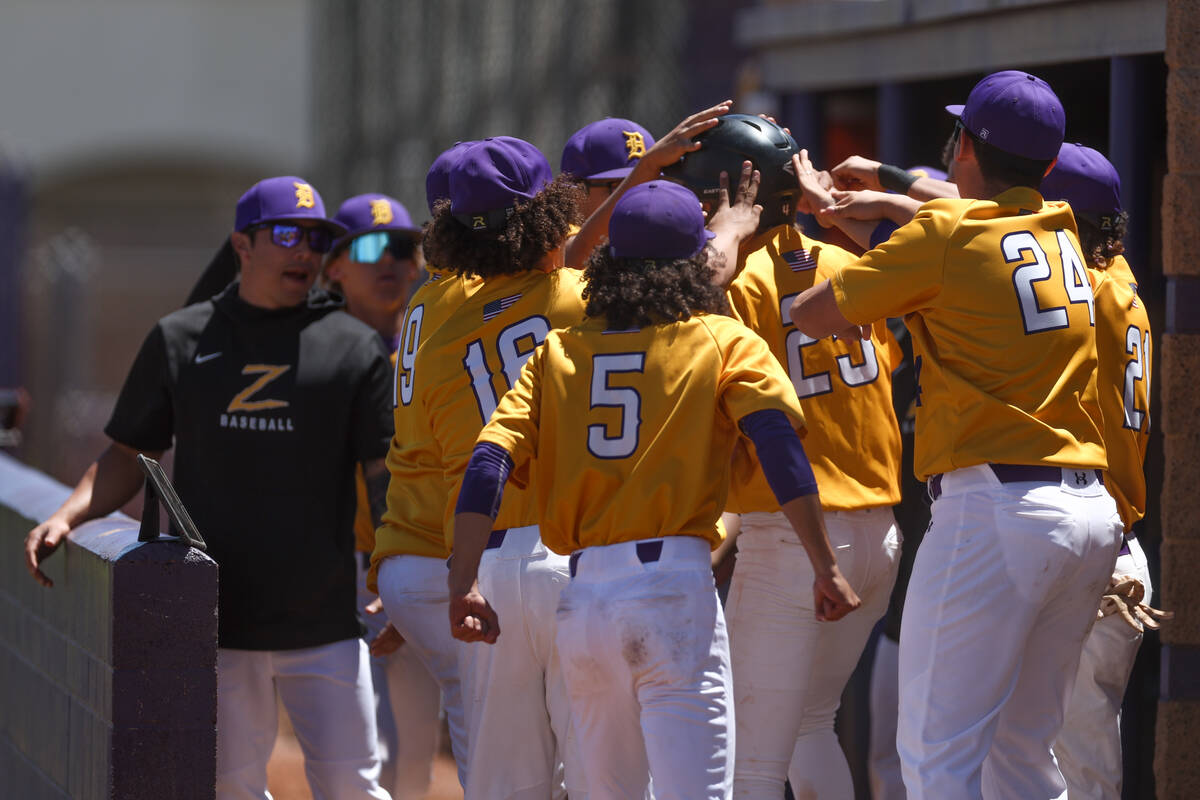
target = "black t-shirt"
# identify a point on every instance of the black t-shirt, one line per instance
(269, 411)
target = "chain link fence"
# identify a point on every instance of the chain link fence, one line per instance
(398, 81)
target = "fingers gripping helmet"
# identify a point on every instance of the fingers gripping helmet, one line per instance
(737, 138)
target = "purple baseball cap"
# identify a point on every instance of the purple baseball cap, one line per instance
(605, 149)
(368, 213)
(1015, 112)
(659, 219)
(437, 181)
(491, 176)
(277, 199)
(1086, 180)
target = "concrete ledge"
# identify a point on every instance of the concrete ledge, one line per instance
(109, 678)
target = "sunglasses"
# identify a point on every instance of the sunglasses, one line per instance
(319, 239)
(370, 247)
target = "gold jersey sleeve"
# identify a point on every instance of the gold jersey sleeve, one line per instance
(1124, 350)
(475, 357)
(845, 388)
(1002, 315)
(627, 435)
(416, 499)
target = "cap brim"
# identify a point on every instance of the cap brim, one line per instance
(709, 234)
(610, 174)
(338, 228)
(955, 110)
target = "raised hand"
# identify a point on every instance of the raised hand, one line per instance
(679, 141)
(856, 172)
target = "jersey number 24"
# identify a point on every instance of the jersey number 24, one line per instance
(1022, 248)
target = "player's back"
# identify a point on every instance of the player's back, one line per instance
(634, 428)
(1003, 330)
(1123, 348)
(845, 388)
(417, 491)
(476, 356)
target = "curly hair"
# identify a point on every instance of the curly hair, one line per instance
(636, 292)
(1102, 244)
(537, 227)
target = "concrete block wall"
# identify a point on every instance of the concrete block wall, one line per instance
(109, 677)
(1176, 767)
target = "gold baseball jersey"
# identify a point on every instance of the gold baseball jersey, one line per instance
(1002, 316)
(845, 388)
(476, 356)
(416, 499)
(627, 435)
(1123, 381)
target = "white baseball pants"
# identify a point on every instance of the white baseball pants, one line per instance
(789, 670)
(327, 693)
(516, 703)
(417, 601)
(883, 762)
(646, 659)
(1088, 748)
(1003, 591)
(408, 705)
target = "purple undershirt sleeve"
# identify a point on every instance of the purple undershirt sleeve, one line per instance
(483, 482)
(883, 231)
(780, 453)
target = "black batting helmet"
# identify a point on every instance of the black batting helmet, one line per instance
(737, 138)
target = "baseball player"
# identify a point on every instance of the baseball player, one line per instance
(601, 154)
(1023, 534)
(505, 223)
(271, 394)
(408, 564)
(1089, 747)
(626, 444)
(502, 225)
(373, 266)
(789, 669)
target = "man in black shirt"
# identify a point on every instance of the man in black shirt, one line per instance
(270, 394)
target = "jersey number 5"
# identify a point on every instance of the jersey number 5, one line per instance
(1034, 268)
(626, 398)
(514, 346)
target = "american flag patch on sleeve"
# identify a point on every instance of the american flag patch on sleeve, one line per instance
(494, 308)
(799, 260)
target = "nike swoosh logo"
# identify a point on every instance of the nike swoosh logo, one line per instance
(201, 359)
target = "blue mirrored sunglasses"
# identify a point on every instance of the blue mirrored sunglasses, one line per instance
(370, 247)
(320, 239)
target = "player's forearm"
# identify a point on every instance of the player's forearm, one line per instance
(926, 188)
(109, 483)
(471, 531)
(807, 519)
(595, 228)
(725, 263)
(857, 229)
